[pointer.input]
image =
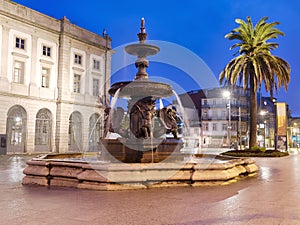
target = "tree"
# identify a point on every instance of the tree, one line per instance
(255, 64)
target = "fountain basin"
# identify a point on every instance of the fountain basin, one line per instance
(84, 172)
(141, 88)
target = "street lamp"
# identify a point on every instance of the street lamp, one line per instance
(294, 135)
(274, 100)
(226, 94)
(263, 123)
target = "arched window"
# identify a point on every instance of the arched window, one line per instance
(43, 130)
(75, 132)
(95, 131)
(16, 129)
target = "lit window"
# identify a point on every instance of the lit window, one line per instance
(76, 83)
(205, 114)
(20, 43)
(43, 127)
(77, 59)
(45, 77)
(95, 87)
(18, 76)
(46, 51)
(96, 64)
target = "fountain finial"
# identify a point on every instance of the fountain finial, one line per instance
(142, 23)
(142, 35)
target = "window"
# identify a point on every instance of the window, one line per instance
(20, 43)
(233, 126)
(205, 126)
(16, 129)
(223, 114)
(244, 127)
(214, 127)
(46, 51)
(43, 127)
(214, 114)
(75, 132)
(95, 132)
(45, 77)
(76, 83)
(77, 59)
(224, 126)
(18, 73)
(204, 101)
(205, 114)
(95, 87)
(96, 64)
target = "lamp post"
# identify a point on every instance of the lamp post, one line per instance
(274, 100)
(265, 134)
(294, 135)
(263, 124)
(226, 94)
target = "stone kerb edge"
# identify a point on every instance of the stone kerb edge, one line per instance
(118, 177)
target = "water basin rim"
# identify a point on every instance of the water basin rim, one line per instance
(165, 90)
(142, 49)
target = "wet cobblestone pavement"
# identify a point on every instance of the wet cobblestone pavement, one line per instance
(272, 197)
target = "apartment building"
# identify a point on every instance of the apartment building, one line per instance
(225, 116)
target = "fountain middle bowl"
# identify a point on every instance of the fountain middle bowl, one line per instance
(141, 88)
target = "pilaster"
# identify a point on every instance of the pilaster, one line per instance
(4, 40)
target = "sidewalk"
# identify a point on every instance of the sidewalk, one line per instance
(272, 197)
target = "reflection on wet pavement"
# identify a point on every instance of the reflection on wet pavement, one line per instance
(272, 197)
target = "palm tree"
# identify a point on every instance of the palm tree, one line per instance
(255, 64)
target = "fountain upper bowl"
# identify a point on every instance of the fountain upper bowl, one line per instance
(142, 49)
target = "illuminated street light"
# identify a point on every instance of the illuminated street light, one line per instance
(263, 124)
(226, 94)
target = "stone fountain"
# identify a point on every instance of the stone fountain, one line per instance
(147, 125)
(142, 157)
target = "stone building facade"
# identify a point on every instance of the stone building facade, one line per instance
(222, 121)
(225, 119)
(52, 74)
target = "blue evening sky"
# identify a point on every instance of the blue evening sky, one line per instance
(197, 25)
